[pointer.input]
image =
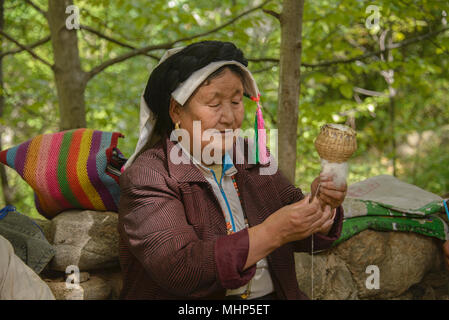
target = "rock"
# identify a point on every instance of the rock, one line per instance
(83, 277)
(331, 278)
(114, 278)
(434, 286)
(93, 289)
(429, 294)
(408, 295)
(52, 276)
(405, 262)
(86, 239)
(402, 258)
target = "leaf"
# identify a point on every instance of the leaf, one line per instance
(346, 90)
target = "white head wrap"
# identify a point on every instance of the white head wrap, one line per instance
(147, 136)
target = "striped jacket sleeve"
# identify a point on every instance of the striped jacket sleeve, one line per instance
(153, 223)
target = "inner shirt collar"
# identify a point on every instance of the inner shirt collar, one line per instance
(228, 168)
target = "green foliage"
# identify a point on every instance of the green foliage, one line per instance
(332, 30)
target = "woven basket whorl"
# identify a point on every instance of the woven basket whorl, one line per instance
(336, 145)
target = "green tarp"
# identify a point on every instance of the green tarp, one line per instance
(26, 237)
(385, 203)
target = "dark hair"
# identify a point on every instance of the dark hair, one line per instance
(166, 77)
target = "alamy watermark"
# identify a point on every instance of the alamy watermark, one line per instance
(372, 21)
(373, 280)
(73, 20)
(220, 142)
(73, 277)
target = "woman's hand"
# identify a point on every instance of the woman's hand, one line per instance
(326, 227)
(293, 222)
(329, 193)
(298, 221)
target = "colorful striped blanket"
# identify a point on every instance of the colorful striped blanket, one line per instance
(67, 170)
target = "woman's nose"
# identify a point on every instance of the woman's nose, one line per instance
(227, 114)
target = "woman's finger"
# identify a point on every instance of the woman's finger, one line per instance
(307, 208)
(337, 195)
(328, 216)
(326, 225)
(328, 212)
(331, 186)
(328, 221)
(310, 219)
(325, 214)
(319, 224)
(316, 226)
(330, 201)
(334, 213)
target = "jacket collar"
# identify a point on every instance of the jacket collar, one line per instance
(185, 171)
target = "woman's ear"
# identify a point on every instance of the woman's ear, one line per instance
(174, 110)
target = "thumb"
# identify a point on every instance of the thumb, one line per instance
(307, 198)
(316, 202)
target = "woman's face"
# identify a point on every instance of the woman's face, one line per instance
(218, 105)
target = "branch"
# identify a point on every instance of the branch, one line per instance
(440, 47)
(223, 25)
(120, 43)
(96, 70)
(35, 6)
(401, 44)
(263, 69)
(276, 60)
(27, 49)
(367, 92)
(329, 12)
(103, 23)
(272, 13)
(389, 47)
(30, 46)
(417, 39)
(168, 45)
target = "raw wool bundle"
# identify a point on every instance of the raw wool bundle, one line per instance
(335, 144)
(339, 171)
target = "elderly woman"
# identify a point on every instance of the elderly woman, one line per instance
(192, 228)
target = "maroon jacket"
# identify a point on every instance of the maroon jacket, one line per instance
(173, 241)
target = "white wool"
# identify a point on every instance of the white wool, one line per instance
(339, 127)
(339, 171)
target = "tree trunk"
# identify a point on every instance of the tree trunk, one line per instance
(70, 79)
(6, 190)
(389, 79)
(289, 84)
(392, 113)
